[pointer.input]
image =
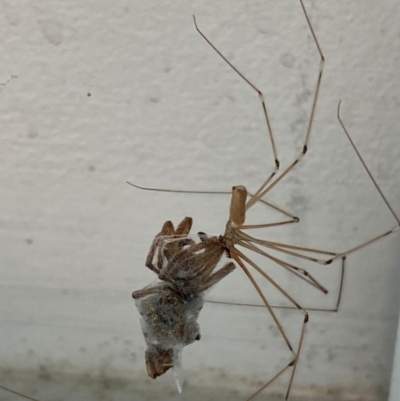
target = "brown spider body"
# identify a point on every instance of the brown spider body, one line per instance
(171, 307)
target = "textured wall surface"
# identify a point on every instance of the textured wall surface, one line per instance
(130, 91)
(395, 382)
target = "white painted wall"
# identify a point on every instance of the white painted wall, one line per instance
(165, 111)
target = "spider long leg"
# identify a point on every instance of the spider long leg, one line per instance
(184, 191)
(292, 218)
(265, 188)
(17, 393)
(264, 299)
(260, 96)
(266, 225)
(260, 390)
(211, 301)
(271, 205)
(179, 191)
(363, 245)
(238, 257)
(396, 217)
(299, 272)
(300, 248)
(288, 266)
(282, 248)
(302, 274)
(248, 241)
(364, 164)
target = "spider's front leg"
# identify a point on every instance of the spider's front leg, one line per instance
(178, 239)
(167, 229)
(192, 261)
(168, 249)
(149, 290)
(193, 269)
(214, 278)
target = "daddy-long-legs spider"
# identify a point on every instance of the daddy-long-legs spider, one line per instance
(157, 92)
(237, 237)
